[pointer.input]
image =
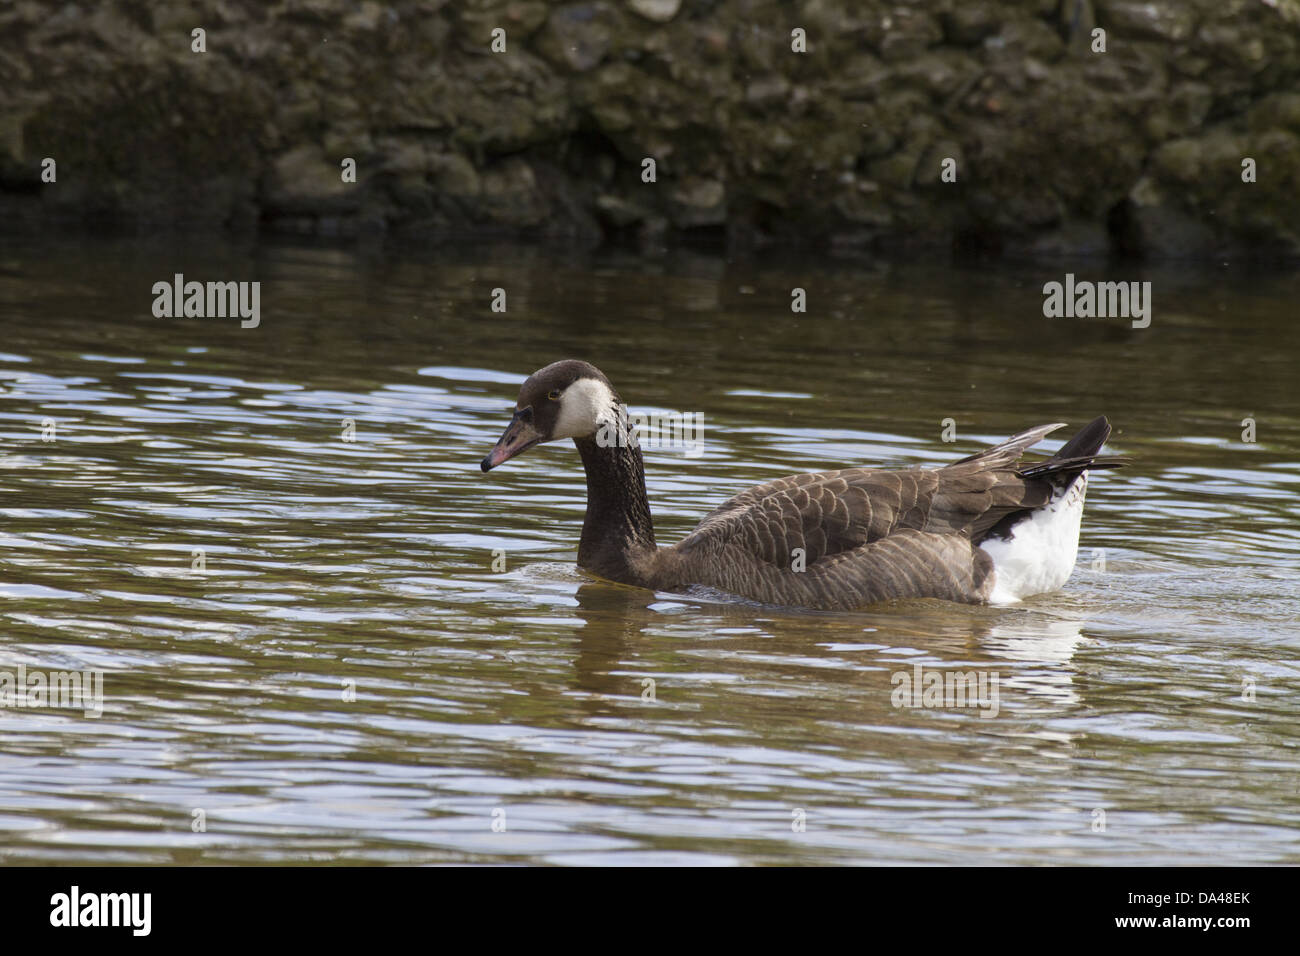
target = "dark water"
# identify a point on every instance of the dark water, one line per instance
(1146, 713)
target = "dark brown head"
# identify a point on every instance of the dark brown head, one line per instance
(568, 399)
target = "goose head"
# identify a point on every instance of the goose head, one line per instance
(568, 399)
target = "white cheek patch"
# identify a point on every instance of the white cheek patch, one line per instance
(584, 406)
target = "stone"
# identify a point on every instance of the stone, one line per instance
(509, 194)
(578, 37)
(699, 201)
(455, 175)
(659, 11)
(304, 179)
(1168, 20)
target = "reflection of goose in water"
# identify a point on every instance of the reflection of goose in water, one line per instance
(1045, 646)
(629, 633)
(613, 621)
(982, 529)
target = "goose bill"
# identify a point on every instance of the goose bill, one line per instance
(518, 438)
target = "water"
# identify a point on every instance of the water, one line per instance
(519, 695)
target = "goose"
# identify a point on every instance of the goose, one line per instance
(982, 530)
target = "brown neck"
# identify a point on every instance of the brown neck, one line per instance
(618, 536)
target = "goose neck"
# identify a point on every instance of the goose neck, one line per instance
(618, 536)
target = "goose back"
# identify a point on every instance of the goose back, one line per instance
(855, 536)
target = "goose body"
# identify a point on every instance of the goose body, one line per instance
(984, 529)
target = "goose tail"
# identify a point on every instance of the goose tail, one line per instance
(1033, 550)
(1077, 455)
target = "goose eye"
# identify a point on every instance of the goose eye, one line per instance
(553, 394)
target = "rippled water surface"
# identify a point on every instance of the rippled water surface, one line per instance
(307, 654)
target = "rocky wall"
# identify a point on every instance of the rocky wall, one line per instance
(1164, 128)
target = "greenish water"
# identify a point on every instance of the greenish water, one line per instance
(332, 564)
